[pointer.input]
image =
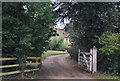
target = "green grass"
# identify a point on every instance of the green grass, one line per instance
(52, 52)
(15, 76)
(101, 75)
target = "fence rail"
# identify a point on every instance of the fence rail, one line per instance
(17, 65)
(3, 59)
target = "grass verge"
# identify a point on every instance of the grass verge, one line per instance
(53, 52)
(103, 75)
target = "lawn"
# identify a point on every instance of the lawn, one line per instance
(52, 52)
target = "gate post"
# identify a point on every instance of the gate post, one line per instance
(78, 56)
(91, 52)
(94, 59)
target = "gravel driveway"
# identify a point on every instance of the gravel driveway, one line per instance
(61, 67)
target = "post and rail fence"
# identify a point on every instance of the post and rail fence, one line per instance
(88, 60)
(17, 65)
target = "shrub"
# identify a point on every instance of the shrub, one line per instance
(57, 44)
(63, 46)
(109, 52)
(73, 53)
(52, 44)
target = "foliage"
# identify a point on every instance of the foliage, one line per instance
(26, 33)
(110, 42)
(104, 75)
(57, 44)
(63, 45)
(51, 44)
(73, 53)
(26, 29)
(110, 50)
(90, 20)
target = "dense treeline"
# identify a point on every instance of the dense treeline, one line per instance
(26, 29)
(95, 24)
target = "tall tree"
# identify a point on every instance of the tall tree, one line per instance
(89, 19)
(26, 29)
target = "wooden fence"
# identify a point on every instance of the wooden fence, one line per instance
(17, 65)
(88, 60)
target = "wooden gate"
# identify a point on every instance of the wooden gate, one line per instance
(88, 60)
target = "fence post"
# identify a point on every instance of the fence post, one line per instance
(78, 56)
(91, 51)
(94, 59)
(39, 66)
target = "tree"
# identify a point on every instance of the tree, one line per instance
(89, 20)
(26, 29)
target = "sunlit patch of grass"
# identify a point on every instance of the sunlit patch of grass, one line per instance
(52, 52)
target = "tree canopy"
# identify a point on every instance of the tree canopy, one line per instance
(89, 19)
(94, 24)
(26, 28)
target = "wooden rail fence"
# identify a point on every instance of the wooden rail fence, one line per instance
(16, 65)
(88, 60)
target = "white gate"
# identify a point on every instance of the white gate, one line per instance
(88, 60)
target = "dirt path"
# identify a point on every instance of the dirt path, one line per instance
(61, 67)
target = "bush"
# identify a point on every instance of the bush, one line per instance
(63, 46)
(109, 52)
(73, 53)
(57, 44)
(52, 44)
